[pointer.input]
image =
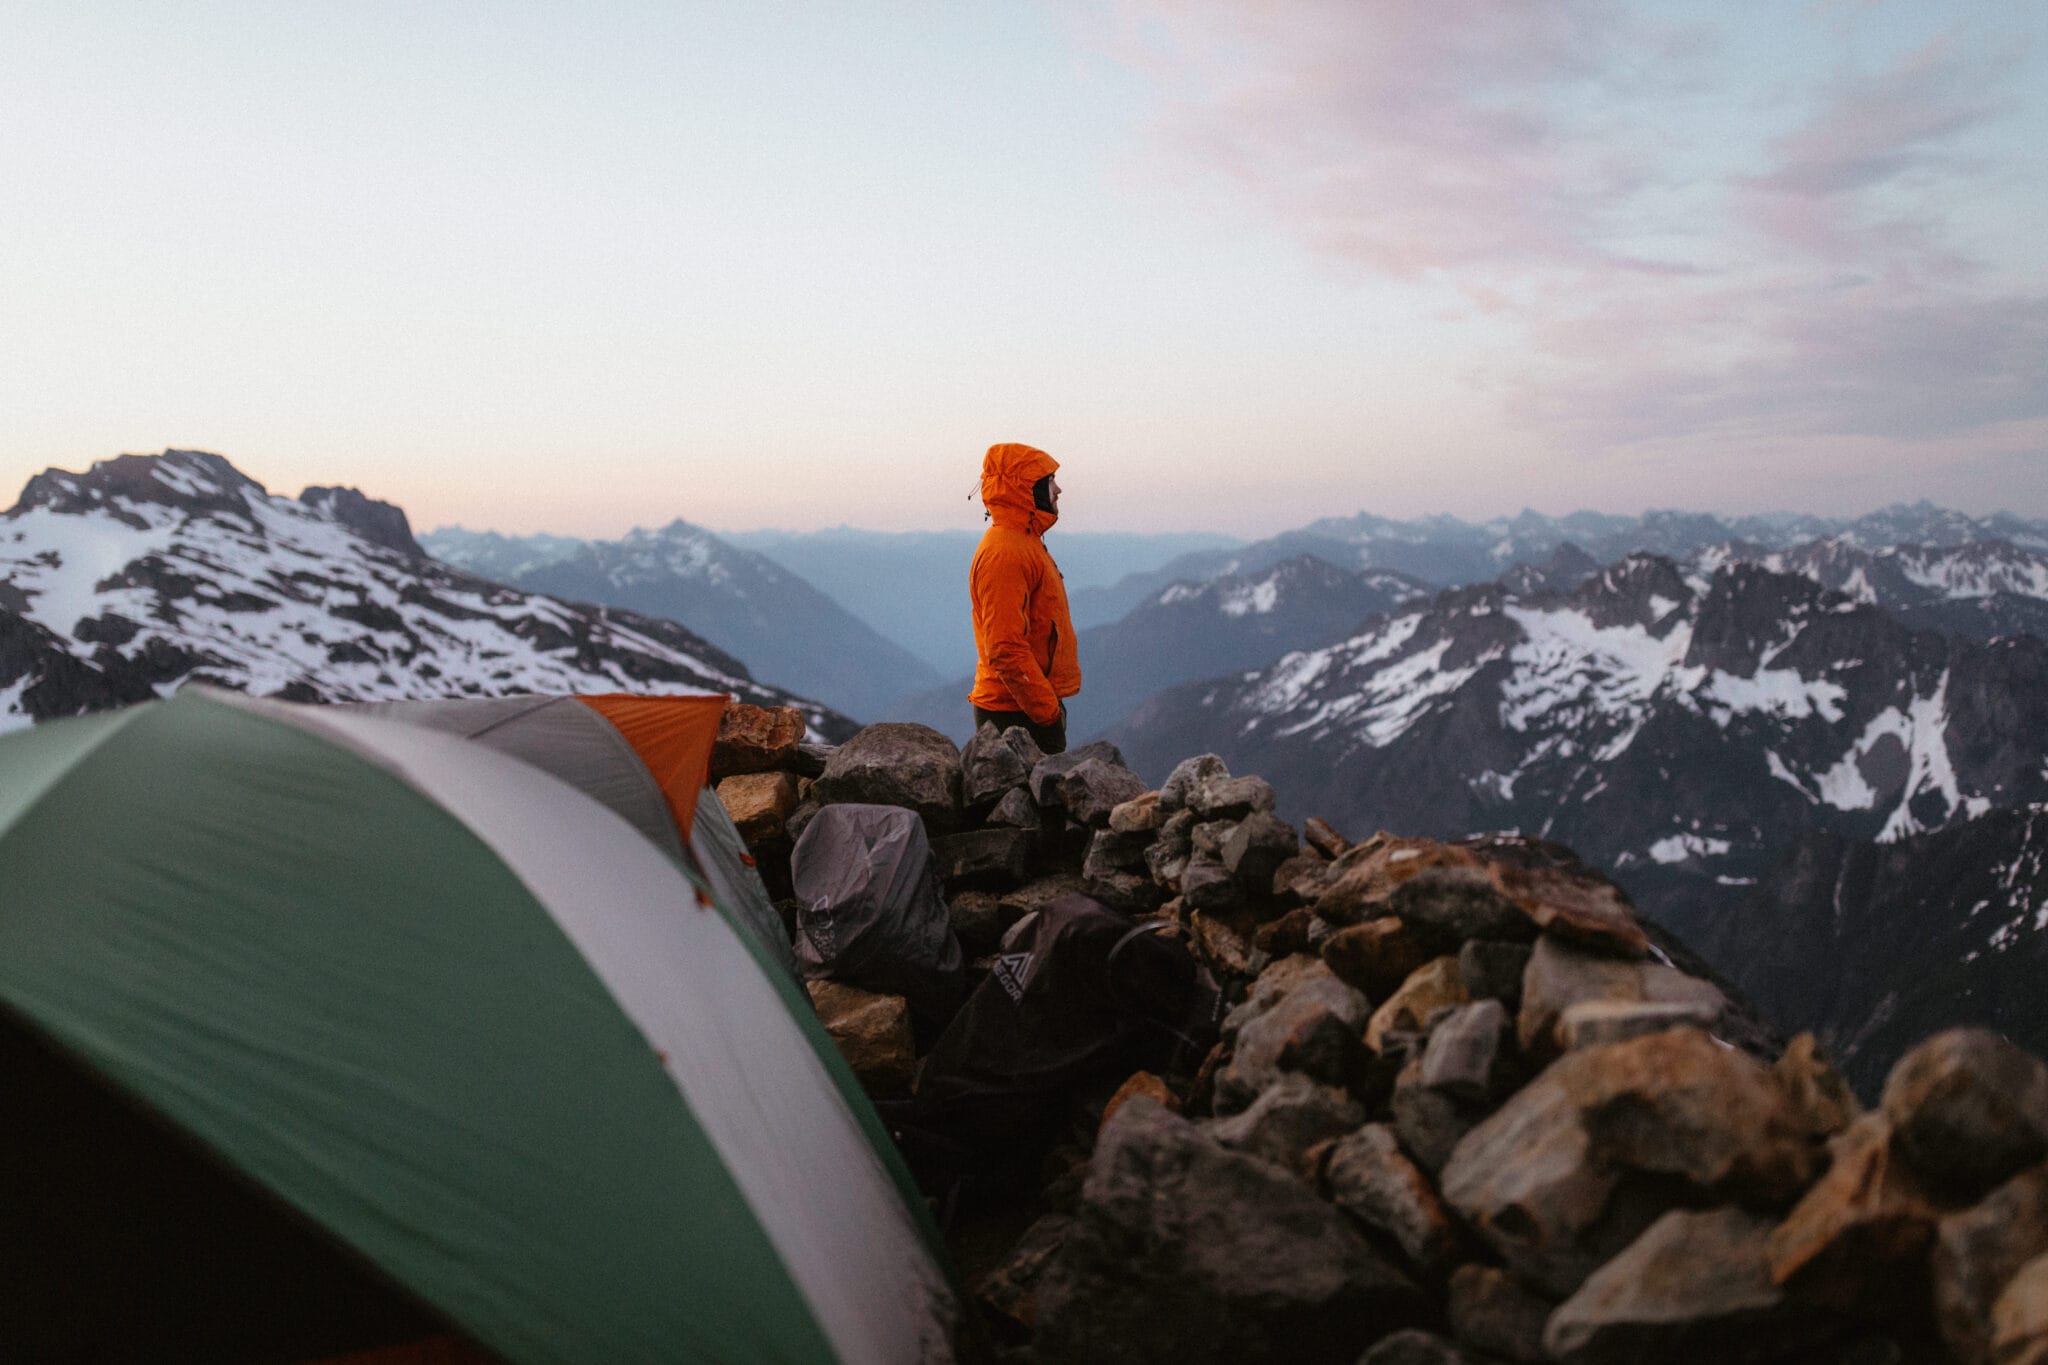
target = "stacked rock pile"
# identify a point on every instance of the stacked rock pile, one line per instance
(1466, 1107)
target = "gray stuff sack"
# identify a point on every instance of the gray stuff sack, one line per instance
(870, 911)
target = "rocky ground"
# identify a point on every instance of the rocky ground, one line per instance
(1464, 1105)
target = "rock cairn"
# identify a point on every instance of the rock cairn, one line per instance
(1466, 1106)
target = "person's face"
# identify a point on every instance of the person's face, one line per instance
(1052, 491)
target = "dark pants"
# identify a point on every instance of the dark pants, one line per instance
(1051, 739)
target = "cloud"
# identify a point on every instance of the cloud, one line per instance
(1406, 135)
(1693, 253)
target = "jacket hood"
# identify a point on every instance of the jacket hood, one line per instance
(1007, 473)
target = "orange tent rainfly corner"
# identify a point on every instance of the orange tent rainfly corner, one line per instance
(673, 736)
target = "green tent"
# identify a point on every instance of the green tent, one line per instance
(573, 738)
(326, 1033)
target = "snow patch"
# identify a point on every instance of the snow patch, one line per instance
(1930, 768)
(1677, 848)
(1565, 662)
(1785, 774)
(1779, 692)
(1259, 598)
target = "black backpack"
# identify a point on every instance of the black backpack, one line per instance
(1081, 997)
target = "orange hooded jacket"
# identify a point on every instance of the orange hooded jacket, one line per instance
(1021, 629)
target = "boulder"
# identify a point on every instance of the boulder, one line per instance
(2019, 1318)
(1109, 851)
(1274, 984)
(1222, 940)
(1368, 1176)
(1035, 895)
(1589, 1023)
(1291, 933)
(1016, 810)
(1168, 856)
(983, 857)
(1492, 970)
(1430, 1122)
(1428, 988)
(1256, 848)
(1470, 1056)
(1460, 901)
(1968, 1109)
(1693, 1288)
(977, 921)
(755, 739)
(1046, 773)
(1581, 1159)
(1316, 832)
(1091, 789)
(1188, 774)
(760, 804)
(873, 1034)
(810, 759)
(1977, 1251)
(995, 761)
(1815, 1089)
(1377, 955)
(1560, 975)
(1681, 1104)
(1858, 1240)
(1207, 838)
(1491, 1311)
(1367, 873)
(1527, 1181)
(1289, 1117)
(1204, 885)
(1302, 878)
(1184, 1253)
(1141, 814)
(1314, 1025)
(1134, 893)
(793, 827)
(1231, 798)
(1010, 1291)
(1138, 1083)
(897, 763)
(1587, 910)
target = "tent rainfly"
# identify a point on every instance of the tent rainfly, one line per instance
(325, 1034)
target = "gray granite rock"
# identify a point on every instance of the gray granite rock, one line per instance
(1185, 1253)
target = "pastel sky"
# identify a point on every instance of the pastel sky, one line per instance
(1237, 263)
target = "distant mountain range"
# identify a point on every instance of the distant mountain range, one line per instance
(1451, 553)
(118, 584)
(744, 601)
(1650, 718)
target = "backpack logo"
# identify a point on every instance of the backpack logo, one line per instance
(1013, 970)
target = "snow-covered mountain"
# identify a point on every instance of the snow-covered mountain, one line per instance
(1450, 552)
(1194, 630)
(1679, 730)
(120, 583)
(1980, 589)
(747, 603)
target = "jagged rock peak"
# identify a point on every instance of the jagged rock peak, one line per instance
(1639, 590)
(191, 480)
(378, 522)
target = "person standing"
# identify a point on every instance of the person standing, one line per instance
(1026, 661)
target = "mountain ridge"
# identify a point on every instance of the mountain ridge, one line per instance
(146, 570)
